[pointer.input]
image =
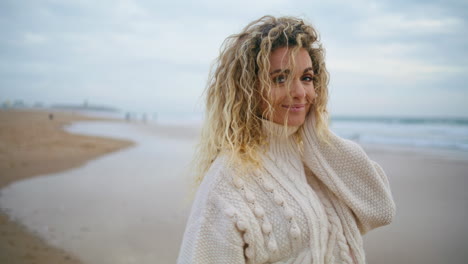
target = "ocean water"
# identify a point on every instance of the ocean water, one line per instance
(409, 132)
(433, 133)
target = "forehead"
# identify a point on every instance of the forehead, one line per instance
(279, 59)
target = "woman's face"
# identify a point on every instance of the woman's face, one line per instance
(293, 103)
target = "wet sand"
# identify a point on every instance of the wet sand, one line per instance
(126, 207)
(432, 207)
(32, 143)
(130, 206)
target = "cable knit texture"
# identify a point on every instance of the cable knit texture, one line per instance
(312, 207)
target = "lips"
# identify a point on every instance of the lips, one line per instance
(295, 107)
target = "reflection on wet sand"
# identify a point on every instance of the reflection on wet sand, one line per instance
(126, 207)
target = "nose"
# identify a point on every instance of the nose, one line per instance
(297, 89)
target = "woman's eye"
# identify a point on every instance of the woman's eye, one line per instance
(308, 78)
(279, 79)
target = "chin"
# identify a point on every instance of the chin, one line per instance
(296, 121)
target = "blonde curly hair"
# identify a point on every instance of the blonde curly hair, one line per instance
(238, 81)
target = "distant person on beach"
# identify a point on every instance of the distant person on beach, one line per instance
(275, 184)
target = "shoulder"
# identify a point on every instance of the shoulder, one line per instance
(219, 175)
(218, 186)
(218, 202)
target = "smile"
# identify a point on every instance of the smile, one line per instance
(295, 107)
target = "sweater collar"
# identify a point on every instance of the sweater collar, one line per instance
(282, 144)
(274, 130)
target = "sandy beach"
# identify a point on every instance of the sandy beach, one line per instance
(432, 208)
(142, 189)
(32, 143)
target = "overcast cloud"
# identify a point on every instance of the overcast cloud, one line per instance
(385, 57)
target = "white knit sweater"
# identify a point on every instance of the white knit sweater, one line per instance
(310, 208)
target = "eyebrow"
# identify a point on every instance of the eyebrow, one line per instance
(287, 70)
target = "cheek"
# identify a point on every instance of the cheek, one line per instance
(269, 98)
(310, 92)
(278, 96)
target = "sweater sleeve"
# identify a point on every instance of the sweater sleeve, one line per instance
(211, 236)
(347, 171)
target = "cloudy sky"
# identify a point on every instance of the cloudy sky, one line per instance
(403, 58)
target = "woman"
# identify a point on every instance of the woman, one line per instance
(276, 185)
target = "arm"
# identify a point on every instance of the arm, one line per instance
(347, 171)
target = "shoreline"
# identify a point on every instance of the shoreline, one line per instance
(422, 152)
(32, 144)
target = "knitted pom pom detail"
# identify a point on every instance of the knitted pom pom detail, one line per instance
(272, 246)
(249, 253)
(238, 182)
(266, 227)
(230, 212)
(249, 196)
(257, 172)
(247, 238)
(279, 200)
(241, 225)
(288, 212)
(268, 186)
(258, 211)
(294, 230)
